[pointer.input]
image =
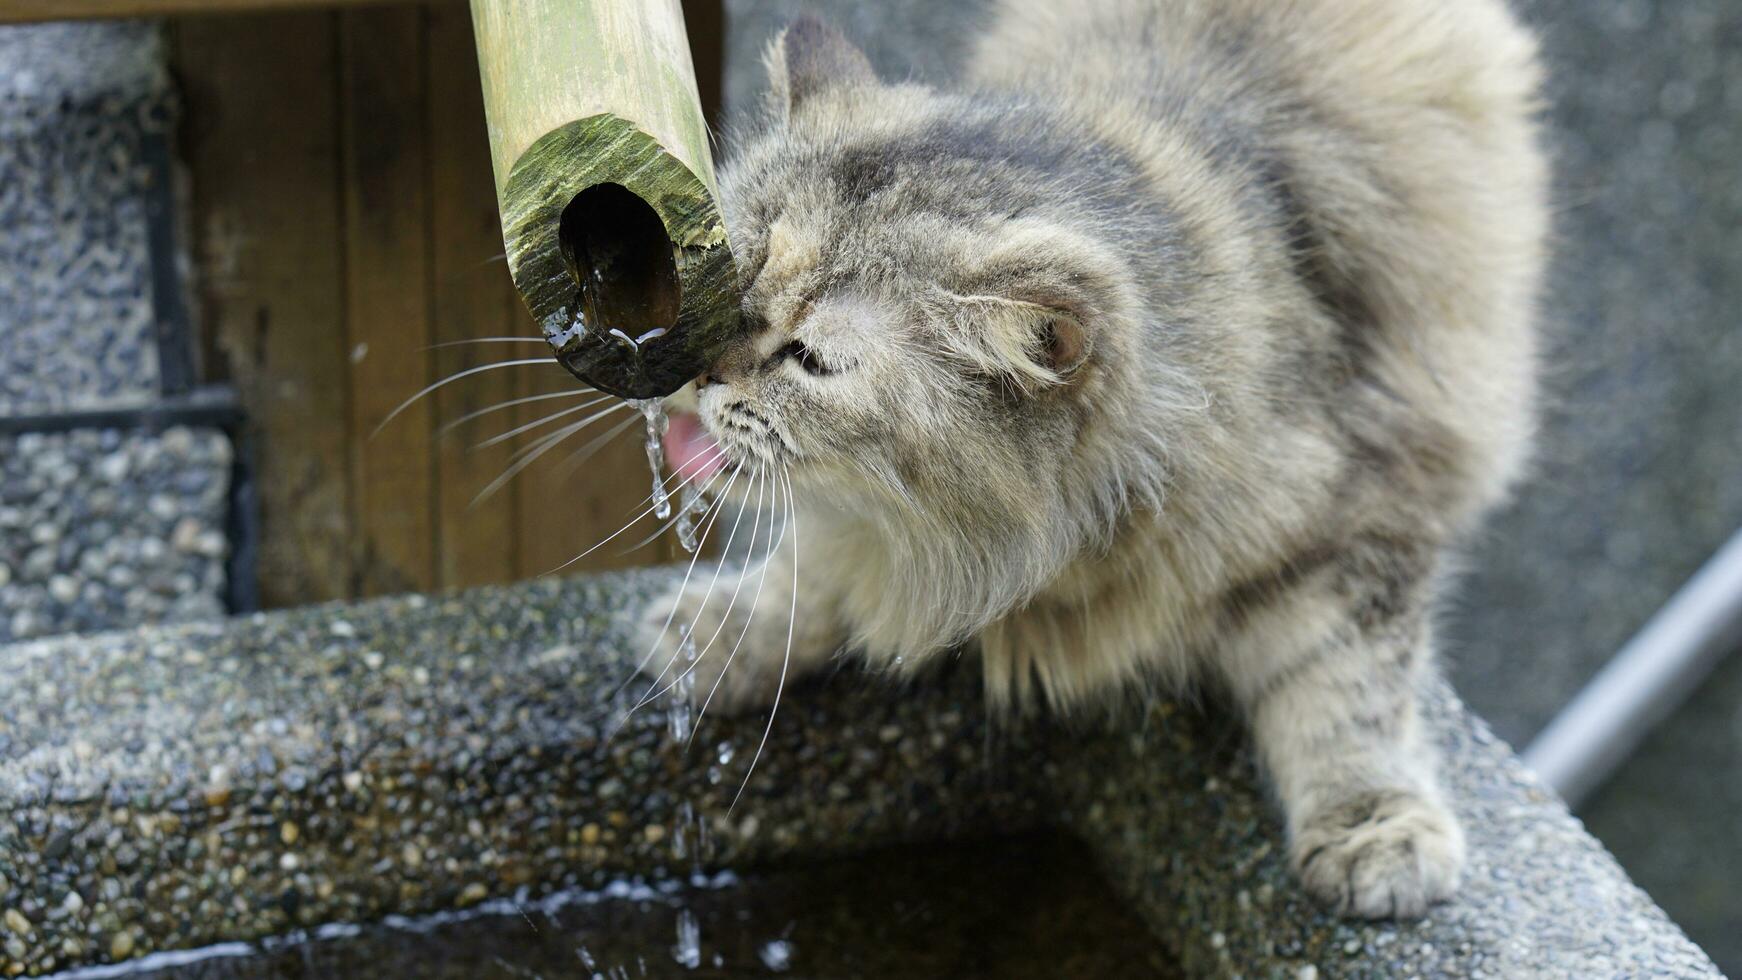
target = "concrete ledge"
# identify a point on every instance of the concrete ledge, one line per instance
(176, 787)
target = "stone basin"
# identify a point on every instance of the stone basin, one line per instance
(310, 772)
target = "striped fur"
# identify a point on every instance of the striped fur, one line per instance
(1177, 346)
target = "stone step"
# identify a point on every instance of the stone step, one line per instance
(202, 783)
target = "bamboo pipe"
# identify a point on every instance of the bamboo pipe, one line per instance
(610, 212)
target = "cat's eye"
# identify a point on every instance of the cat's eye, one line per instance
(806, 358)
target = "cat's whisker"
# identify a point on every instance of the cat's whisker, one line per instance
(762, 486)
(651, 694)
(666, 482)
(484, 340)
(791, 628)
(614, 535)
(450, 379)
(702, 538)
(586, 452)
(750, 548)
(530, 455)
(511, 403)
(755, 600)
(675, 518)
(590, 449)
(511, 433)
(540, 444)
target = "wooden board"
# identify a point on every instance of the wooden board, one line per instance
(343, 195)
(471, 297)
(567, 505)
(261, 139)
(705, 23)
(386, 241)
(19, 11)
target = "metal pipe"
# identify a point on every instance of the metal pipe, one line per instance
(1652, 676)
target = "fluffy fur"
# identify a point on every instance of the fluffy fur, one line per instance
(1177, 346)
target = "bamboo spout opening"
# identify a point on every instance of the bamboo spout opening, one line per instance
(615, 246)
(610, 218)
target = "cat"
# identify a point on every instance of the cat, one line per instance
(1179, 345)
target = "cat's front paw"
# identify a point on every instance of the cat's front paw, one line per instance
(1380, 855)
(709, 648)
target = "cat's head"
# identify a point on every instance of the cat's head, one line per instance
(941, 318)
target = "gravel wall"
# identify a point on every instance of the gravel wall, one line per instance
(99, 528)
(103, 528)
(77, 104)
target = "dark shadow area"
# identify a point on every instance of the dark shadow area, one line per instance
(1011, 909)
(617, 250)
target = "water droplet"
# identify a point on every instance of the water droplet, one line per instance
(680, 831)
(688, 513)
(776, 954)
(726, 751)
(654, 411)
(688, 951)
(683, 689)
(701, 846)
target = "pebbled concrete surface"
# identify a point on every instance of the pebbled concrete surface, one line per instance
(105, 528)
(183, 785)
(1180, 819)
(98, 528)
(77, 102)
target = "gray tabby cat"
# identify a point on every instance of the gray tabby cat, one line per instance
(1177, 347)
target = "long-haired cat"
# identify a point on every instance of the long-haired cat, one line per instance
(1177, 346)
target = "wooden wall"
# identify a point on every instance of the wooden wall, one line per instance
(344, 226)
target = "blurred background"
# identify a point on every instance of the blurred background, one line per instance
(230, 244)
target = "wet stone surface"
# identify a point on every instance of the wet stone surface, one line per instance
(77, 103)
(104, 528)
(202, 783)
(188, 785)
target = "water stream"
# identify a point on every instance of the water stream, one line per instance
(653, 410)
(688, 832)
(691, 500)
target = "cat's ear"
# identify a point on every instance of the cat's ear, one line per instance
(1040, 340)
(811, 57)
(1037, 303)
(1063, 343)
(1031, 339)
